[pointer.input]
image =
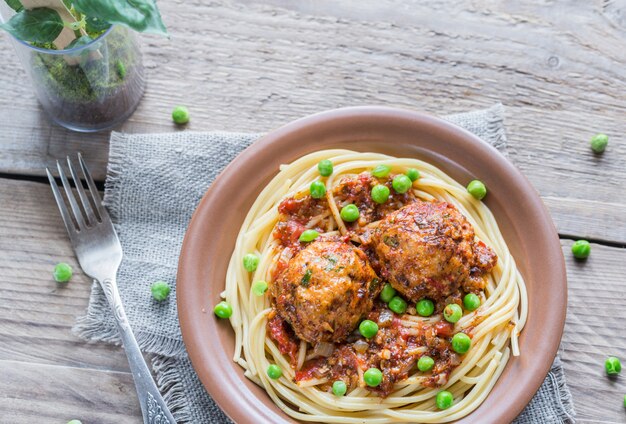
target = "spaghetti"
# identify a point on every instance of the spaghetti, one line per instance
(410, 396)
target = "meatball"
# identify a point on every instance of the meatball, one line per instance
(325, 291)
(428, 249)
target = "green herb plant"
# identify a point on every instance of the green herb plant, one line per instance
(99, 84)
(43, 25)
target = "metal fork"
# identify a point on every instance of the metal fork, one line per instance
(99, 253)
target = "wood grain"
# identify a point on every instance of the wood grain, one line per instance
(250, 66)
(253, 65)
(595, 319)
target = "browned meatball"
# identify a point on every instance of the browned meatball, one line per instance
(325, 291)
(428, 249)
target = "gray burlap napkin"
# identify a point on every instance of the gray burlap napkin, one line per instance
(154, 182)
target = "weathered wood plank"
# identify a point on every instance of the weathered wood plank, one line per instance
(36, 316)
(558, 68)
(37, 393)
(595, 319)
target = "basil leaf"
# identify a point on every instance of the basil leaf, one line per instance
(15, 5)
(140, 15)
(81, 41)
(95, 25)
(41, 25)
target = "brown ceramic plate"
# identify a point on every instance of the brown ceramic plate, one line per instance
(519, 211)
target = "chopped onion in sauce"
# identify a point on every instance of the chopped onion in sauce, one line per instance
(385, 318)
(321, 349)
(360, 346)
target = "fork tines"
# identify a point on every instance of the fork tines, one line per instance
(92, 211)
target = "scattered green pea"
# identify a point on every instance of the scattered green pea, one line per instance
(368, 328)
(471, 302)
(401, 183)
(325, 168)
(413, 174)
(381, 171)
(425, 307)
(612, 365)
(250, 262)
(581, 249)
(350, 213)
(180, 115)
(274, 372)
(339, 388)
(599, 142)
(397, 305)
(317, 189)
(74, 422)
(373, 377)
(425, 363)
(259, 287)
(477, 189)
(62, 272)
(223, 310)
(452, 312)
(444, 399)
(308, 235)
(160, 290)
(461, 343)
(380, 193)
(121, 69)
(387, 293)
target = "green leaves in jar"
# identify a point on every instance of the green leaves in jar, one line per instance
(140, 15)
(15, 5)
(40, 25)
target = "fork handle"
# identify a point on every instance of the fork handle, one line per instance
(153, 406)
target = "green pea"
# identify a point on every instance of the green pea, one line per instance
(368, 328)
(471, 302)
(624, 400)
(425, 307)
(274, 372)
(444, 399)
(413, 174)
(461, 343)
(599, 142)
(612, 365)
(325, 168)
(74, 422)
(350, 213)
(160, 290)
(250, 262)
(387, 293)
(581, 249)
(381, 171)
(452, 312)
(317, 189)
(308, 235)
(373, 377)
(121, 69)
(259, 287)
(339, 388)
(62, 272)
(223, 310)
(401, 183)
(180, 115)
(425, 363)
(397, 304)
(477, 189)
(380, 193)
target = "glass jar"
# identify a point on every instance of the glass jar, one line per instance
(91, 87)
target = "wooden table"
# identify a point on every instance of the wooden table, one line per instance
(558, 67)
